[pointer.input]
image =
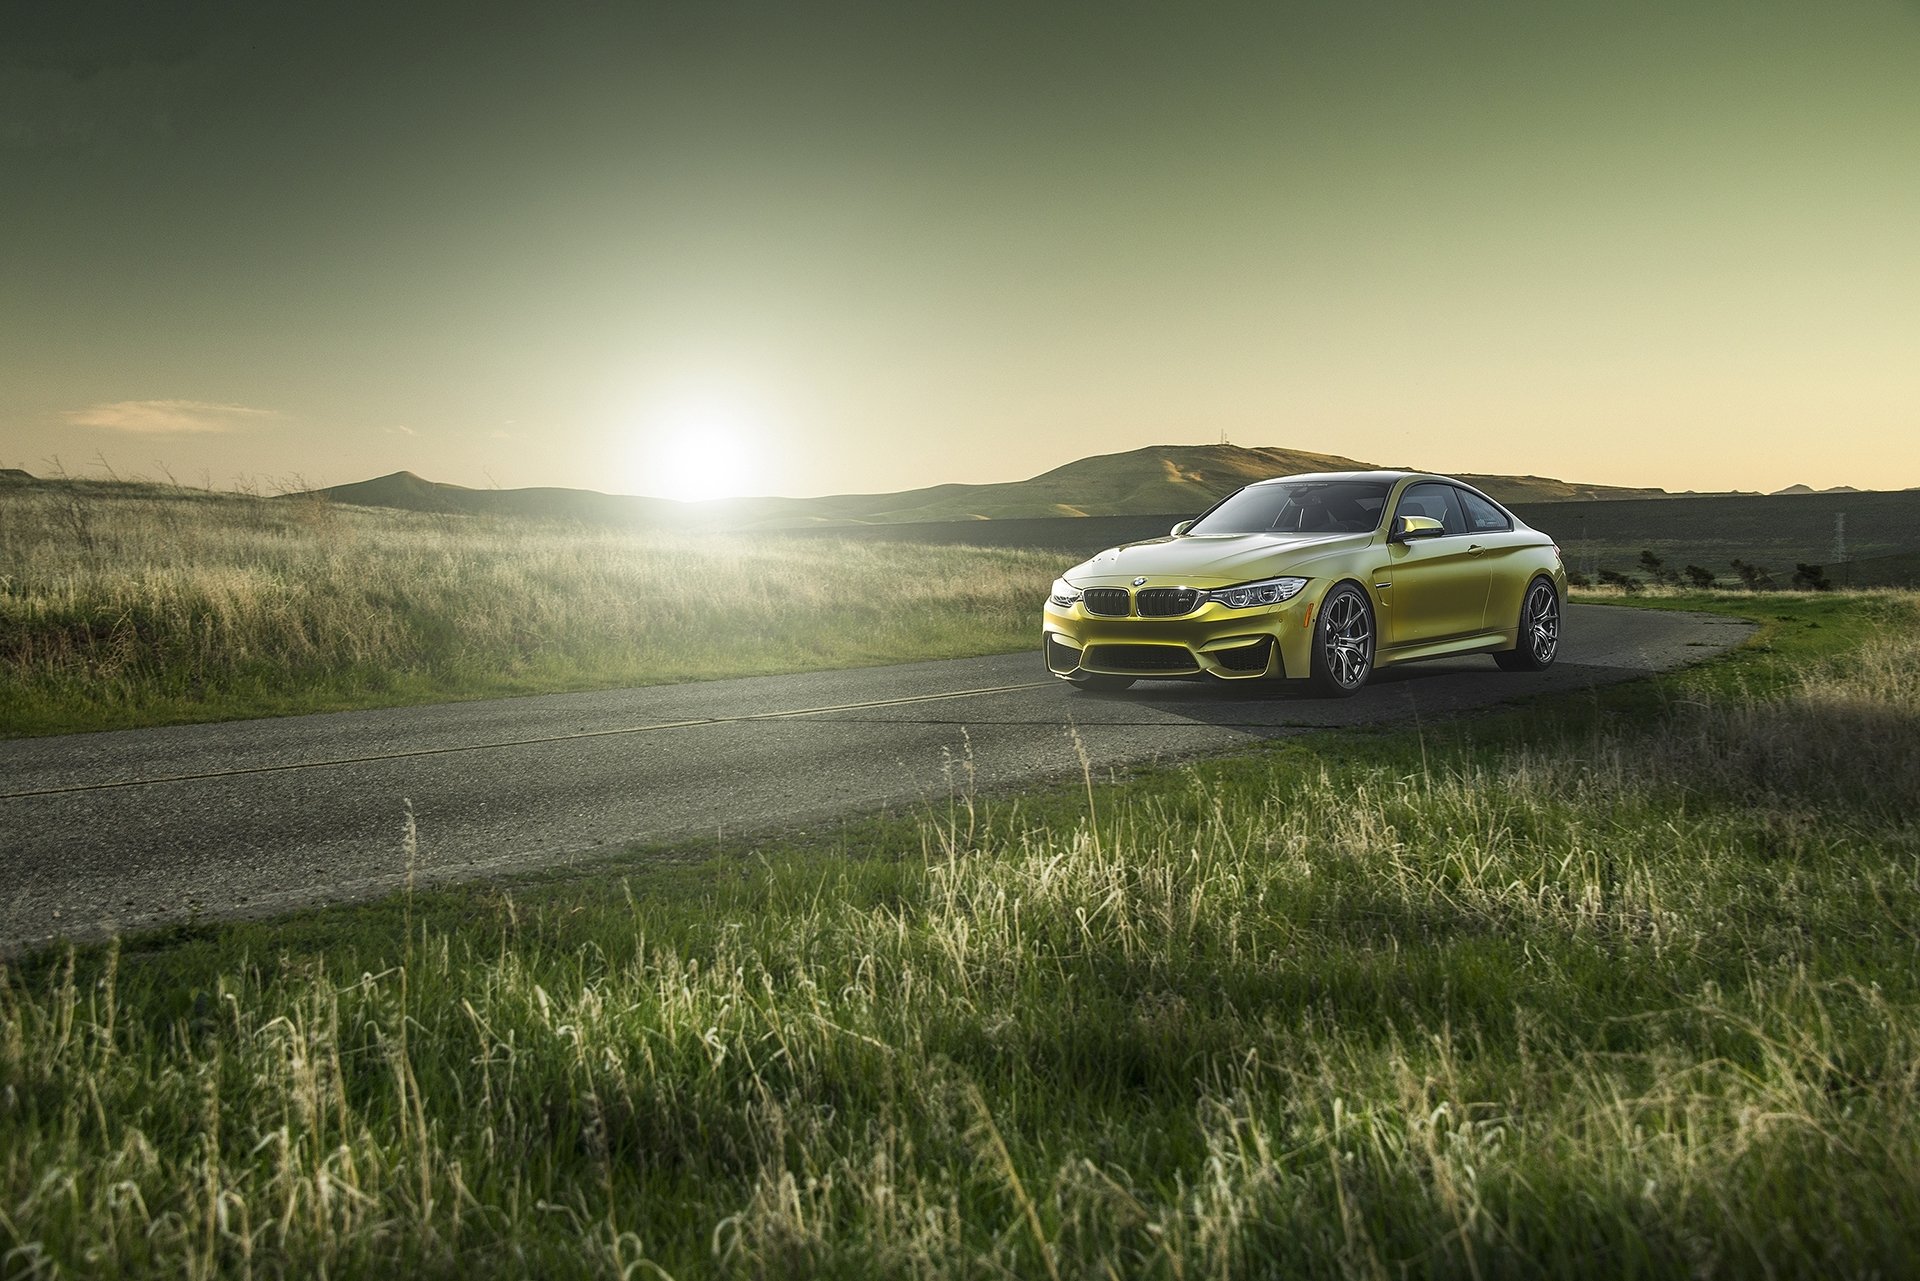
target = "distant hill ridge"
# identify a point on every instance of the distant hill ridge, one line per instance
(409, 492)
(1157, 478)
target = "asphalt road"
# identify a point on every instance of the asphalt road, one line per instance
(112, 831)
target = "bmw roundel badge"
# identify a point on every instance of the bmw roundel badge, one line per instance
(1138, 581)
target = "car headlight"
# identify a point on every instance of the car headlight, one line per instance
(1269, 591)
(1064, 594)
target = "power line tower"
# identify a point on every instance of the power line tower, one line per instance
(1840, 547)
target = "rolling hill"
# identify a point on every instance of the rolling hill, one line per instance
(1158, 478)
(1898, 570)
(1775, 530)
(409, 492)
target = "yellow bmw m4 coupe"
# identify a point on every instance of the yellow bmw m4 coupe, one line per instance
(1322, 578)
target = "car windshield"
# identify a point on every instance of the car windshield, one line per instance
(1299, 507)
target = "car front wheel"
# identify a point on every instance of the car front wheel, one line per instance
(1343, 643)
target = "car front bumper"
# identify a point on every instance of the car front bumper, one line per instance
(1227, 644)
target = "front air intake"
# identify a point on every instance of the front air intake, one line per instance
(1061, 658)
(1245, 658)
(1140, 658)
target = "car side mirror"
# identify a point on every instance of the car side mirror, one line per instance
(1182, 528)
(1407, 529)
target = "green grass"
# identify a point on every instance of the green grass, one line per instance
(128, 604)
(1616, 984)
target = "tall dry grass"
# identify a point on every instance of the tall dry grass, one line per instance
(1639, 1001)
(131, 604)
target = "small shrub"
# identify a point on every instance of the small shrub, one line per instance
(1811, 578)
(1614, 578)
(1754, 578)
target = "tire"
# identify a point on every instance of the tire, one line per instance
(1537, 643)
(1343, 643)
(1101, 684)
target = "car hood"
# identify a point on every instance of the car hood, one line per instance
(1212, 560)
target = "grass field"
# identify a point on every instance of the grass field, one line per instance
(1618, 984)
(125, 604)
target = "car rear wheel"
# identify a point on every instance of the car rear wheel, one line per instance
(1538, 641)
(1343, 641)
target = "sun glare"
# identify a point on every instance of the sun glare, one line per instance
(696, 449)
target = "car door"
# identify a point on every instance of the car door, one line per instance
(1440, 583)
(1502, 548)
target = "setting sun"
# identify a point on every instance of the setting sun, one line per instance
(695, 449)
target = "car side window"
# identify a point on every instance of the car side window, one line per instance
(1432, 499)
(1482, 516)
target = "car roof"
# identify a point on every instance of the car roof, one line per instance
(1382, 473)
(1391, 475)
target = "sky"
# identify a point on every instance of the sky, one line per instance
(713, 248)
